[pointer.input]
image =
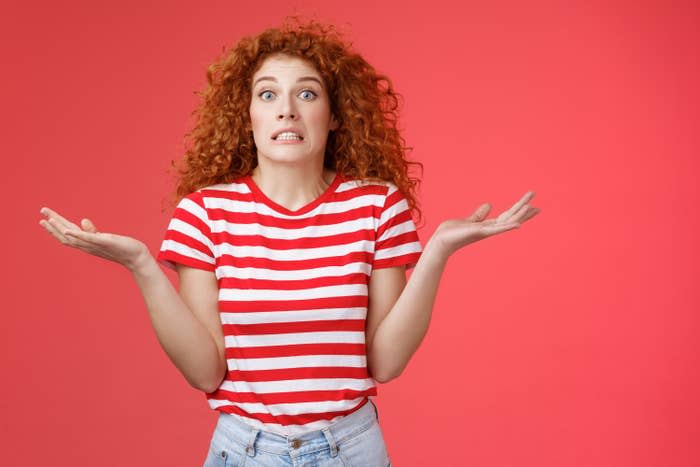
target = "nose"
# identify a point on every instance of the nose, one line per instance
(286, 114)
(287, 109)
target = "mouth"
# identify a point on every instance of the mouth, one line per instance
(288, 136)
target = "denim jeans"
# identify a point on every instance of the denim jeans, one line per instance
(355, 440)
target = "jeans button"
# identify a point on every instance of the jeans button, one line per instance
(296, 443)
(223, 454)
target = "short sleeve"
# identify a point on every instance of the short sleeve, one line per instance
(397, 240)
(188, 236)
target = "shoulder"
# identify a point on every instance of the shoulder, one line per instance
(360, 192)
(364, 186)
(211, 196)
(219, 190)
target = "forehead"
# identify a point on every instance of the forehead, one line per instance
(282, 66)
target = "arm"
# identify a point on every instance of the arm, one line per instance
(187, 325)
(399, 313)
(396, 327)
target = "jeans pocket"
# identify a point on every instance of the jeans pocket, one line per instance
(225, 454)
(376, 410)
(367, 449)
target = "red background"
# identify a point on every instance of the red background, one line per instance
(572, 341)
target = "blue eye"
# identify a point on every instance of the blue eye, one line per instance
(305, 91)
(263, 93)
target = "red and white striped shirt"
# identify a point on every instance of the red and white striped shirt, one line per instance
(293, 291)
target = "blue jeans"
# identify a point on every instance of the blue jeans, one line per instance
(353, 441)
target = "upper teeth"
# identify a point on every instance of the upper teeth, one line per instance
(288, 135)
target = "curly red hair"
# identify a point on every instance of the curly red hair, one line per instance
(366, 146)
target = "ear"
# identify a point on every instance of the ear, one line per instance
(334, 123)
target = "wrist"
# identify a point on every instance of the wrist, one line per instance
(436, 251)
(141, 262)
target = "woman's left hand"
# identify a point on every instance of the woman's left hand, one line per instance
(453, 234)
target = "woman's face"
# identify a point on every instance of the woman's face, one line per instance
(288, 93)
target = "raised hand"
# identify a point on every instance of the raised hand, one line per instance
(453, 234)
(118, 248)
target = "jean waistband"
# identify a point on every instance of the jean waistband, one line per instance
(254, 438)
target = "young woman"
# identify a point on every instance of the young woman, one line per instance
(291, 239)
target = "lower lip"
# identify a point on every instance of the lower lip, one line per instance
(288, 141)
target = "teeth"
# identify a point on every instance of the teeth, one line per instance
(288, 135)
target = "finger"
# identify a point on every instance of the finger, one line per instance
(529, 214)
(87, 237)
(518, 216)
(64, 236)
(480, 213)
(525, 214)
(532, 212)
(51, 214)
(499, 228)
(505, 216)
(88, 226)
(92, 242)
(51, 228)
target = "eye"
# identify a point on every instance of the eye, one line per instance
(264, 93)
(307, 92)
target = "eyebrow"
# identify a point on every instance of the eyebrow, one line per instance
(303, 78)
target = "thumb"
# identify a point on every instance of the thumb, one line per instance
(88, 225)
(480, 213)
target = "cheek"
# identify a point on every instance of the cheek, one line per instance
(256, 124)
(320, 116)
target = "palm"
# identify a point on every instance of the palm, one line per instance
(118, 248)
(453, 234)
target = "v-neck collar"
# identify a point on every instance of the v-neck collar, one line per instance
(258, 195)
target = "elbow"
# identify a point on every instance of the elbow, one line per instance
(210, 385)
(381, 379)
(385, 377)
(200, 385)
(381, 373)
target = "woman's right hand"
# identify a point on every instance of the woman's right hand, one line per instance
(118, 248)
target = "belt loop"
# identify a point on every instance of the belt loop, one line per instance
(331, 441)
(376, 411)
(250, 448)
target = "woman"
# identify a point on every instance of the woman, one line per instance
(291, 239)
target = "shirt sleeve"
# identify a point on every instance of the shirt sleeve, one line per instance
(397, 240)
(188, 236)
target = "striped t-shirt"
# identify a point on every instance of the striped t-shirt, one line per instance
(293, 291)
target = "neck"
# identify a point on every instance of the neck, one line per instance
(291, 185)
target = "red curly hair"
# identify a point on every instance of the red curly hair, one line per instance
(366, 146)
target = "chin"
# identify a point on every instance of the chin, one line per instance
(284, 156)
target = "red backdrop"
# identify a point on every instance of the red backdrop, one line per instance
(572, 341)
